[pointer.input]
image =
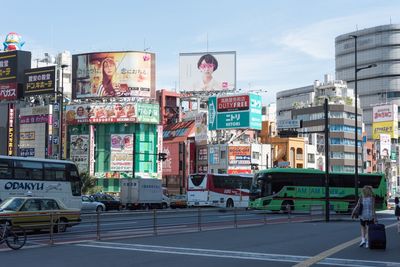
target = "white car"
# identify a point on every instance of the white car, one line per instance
(89, 204)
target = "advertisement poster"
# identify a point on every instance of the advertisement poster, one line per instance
(121, 152)
(385, 127)
(32, 140)
(79, 151)
(112, 112)
(239, 155)
(113, 74)
(201, 133)
(384, 113)
(208, 71)
(171, 164)
(385, 146)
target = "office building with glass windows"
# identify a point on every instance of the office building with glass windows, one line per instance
(377, 85)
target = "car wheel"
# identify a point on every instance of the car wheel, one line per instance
(164, 205)
(99, 209)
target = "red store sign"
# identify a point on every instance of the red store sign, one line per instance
(8, 91)
(233, 103)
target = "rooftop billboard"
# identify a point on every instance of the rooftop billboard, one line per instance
(113, 74)
(207, 72)
(234, 112)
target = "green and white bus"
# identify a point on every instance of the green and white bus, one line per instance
(280, 188)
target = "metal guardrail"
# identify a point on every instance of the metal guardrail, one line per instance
(114, 225)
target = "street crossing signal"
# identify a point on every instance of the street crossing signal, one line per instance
(162, 156)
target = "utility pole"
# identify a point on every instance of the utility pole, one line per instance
(326, 110)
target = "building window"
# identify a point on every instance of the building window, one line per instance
(311, 158)
(223, 154)
(256, 155)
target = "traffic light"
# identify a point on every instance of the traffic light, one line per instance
(162, 156)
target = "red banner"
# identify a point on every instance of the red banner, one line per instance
(233, 103)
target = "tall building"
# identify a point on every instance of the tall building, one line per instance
(381, 84)
(307, 105)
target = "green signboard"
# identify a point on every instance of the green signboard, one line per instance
(148, 113)
(235, 112)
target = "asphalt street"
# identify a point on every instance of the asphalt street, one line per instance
(332, 243)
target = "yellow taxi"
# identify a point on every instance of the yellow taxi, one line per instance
(35, 213)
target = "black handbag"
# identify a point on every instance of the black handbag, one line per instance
(357, 211)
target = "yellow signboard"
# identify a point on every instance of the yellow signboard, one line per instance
(386, 127)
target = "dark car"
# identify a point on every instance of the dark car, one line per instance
(109, 201)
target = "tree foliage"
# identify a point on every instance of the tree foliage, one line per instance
(89, 185)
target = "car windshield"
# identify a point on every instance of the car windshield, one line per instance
(12, 204)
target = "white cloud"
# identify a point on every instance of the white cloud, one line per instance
(318, 40)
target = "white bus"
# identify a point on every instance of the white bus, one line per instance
(219, 190)
(40, 178)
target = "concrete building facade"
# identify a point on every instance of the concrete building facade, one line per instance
(381, 84)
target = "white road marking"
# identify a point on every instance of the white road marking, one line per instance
(233, 254)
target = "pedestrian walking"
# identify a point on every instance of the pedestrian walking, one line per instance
(397, 212)
(366, 211)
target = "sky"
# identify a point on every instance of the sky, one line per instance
(279, 44)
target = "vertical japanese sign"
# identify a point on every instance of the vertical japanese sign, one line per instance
(201, 127)
(91, 150)
(159, 148)
(121, 152)
(11, 120)
(212, 113)
(79, 151)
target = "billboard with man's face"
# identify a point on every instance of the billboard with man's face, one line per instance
(207, 72)
(113, 74)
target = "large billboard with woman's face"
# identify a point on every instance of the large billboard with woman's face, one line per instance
(113, 74)
(207, 72)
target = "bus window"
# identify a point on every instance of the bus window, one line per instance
(54, 172)
(5, 169)
(28, 170)
(74, 179)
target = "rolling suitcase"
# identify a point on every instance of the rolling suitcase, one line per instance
(376, 236)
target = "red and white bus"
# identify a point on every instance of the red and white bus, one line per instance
(219, 190)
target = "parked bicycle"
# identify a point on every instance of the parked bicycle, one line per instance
(14, 236)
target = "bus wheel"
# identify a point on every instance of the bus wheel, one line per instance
(229, 203)
(287, 205)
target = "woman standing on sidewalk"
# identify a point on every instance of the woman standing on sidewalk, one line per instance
(397, 212)
(366, 205)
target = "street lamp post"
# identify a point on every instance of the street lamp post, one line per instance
(356, 70)
(60, 156)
